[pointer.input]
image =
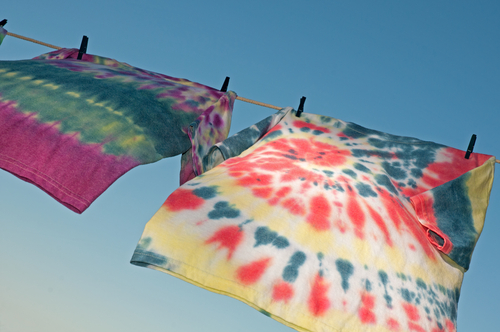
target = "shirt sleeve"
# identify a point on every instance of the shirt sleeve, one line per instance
(208, 129)
(452, 214)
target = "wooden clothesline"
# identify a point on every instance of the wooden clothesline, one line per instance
(238, 97)
(33, 40)
(58, 48)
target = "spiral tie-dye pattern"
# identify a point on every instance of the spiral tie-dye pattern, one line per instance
(325, 225)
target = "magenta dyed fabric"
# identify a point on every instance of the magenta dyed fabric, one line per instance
(73, 173)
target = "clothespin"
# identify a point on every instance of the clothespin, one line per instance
(83, 47)
(225, 85)
(470, 148)
(301, 107)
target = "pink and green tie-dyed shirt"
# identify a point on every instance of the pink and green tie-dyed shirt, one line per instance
(72, 127)
(325, 225)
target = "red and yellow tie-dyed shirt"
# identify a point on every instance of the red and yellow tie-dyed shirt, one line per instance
(325, 225)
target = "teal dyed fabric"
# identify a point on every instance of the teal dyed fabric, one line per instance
(72, 127)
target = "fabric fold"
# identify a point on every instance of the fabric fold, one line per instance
(210, 128)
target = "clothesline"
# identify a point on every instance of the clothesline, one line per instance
(58, 48)
(33, 40)
(239, 98)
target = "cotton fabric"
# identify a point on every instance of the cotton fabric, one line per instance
(325, 225)
(208, 129)
(72, 127)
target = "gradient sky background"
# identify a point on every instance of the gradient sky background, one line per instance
(425, 69)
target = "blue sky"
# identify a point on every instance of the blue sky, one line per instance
(423, 69)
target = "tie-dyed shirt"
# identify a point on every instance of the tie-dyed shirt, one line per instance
(72, 127)
(325, 225)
